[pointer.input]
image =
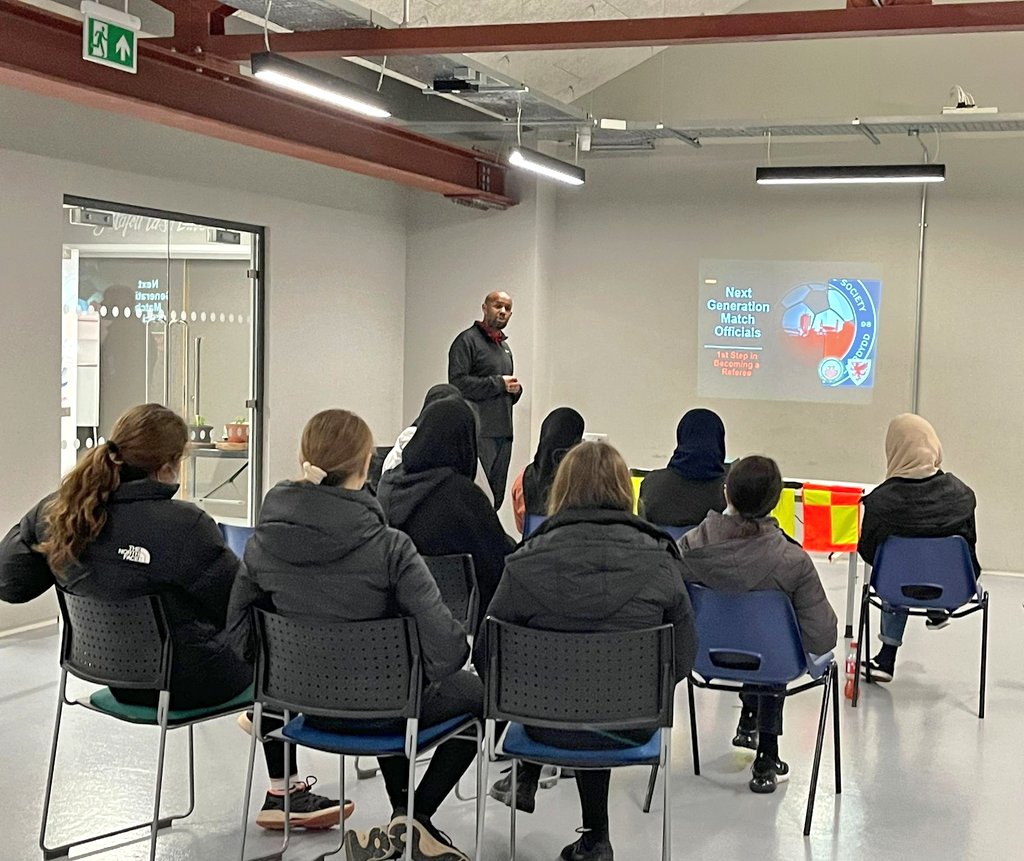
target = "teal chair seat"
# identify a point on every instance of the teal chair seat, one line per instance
(104, 701)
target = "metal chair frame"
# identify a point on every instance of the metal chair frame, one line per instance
(152, 608)
(828, 681)
(662, 721)
(409, 711)
(869, 598)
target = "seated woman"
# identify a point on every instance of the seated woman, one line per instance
(113, 531)
(559, 432)
(744, 550)
(322, 551)
(593, 566)
(917, 499)
(691, 485)
(431, 497)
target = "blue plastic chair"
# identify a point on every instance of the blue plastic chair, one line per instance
(675, 532)
(366, 671)
(753, 638)
(124, 644)
(593, 682)
(531, 522)
(922, 574)
(236, 537)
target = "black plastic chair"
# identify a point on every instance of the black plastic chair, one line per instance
(124, 644)
(590, 682)
(922, 574)
(344, 671)
(753, 638)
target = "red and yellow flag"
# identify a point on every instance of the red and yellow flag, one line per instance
(831, 518)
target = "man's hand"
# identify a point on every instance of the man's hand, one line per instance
(512, 385)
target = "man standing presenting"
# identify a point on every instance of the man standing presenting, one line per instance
(480, 366)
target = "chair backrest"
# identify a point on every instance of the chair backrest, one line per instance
(675, 532)
(122, 644)
(531, 522)
(748, 637)
(606, 680)
(236, 537)
(338, 669)
(456, 578)
(925, 572)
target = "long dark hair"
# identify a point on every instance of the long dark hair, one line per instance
(144, 439)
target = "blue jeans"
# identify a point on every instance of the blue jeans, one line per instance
(894, 623)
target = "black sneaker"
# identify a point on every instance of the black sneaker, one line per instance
(372, 845)
(763, 775)
(526, 790)
(588, 849)
(879, 672)
(937, 620)
(746, 740)
(428, 842)
(307, 810)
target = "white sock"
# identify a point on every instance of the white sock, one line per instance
(279, 784)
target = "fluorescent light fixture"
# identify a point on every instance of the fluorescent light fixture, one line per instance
(545, 165)
(851, 174)
(307, 81)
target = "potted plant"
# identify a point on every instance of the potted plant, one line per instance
(238, 430)
(199, 432)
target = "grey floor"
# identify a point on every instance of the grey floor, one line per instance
(923, 777)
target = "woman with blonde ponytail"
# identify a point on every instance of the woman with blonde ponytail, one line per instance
(114, 531)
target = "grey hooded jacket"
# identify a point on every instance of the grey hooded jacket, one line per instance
(731, 554)
(325, 553)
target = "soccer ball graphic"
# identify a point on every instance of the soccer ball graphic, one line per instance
(816, 309)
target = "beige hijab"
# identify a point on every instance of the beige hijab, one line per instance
(912, 448)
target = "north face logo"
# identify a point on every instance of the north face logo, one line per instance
(131, 553)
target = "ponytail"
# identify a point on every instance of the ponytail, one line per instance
(78, 513)
(143, 440)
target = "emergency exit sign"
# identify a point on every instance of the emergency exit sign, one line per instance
(109, 37)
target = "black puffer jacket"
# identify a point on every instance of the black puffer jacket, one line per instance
(151, 545)
(597, 570)
(325, 553)
(668, 499)
(934, 507)
(731, 554)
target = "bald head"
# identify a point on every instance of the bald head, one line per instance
(497, 309)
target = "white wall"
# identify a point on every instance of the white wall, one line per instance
(335, 306)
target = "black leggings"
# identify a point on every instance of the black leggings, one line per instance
(591, 784)
(459, 694)
(767, 707)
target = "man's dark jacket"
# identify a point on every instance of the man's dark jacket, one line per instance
(476, 366)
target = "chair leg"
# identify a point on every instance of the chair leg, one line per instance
(481, 766)
(862, 628)
(341, 824)
(666, 814)
(411, 807)
(256, 715)
(984, 656)
(695, 751)
(650, 789)
(836, 742)
(191, 776)
(512, 825)
(163, 708)
(822, 717)
(364, 773)
(61, 689)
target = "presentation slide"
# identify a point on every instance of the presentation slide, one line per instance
(788, 330)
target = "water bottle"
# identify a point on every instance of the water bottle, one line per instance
(851, 670)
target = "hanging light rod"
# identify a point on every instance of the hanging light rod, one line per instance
(553, 168)
(315, 84)
(851, 174)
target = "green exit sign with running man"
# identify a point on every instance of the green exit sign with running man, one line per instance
(109, 37)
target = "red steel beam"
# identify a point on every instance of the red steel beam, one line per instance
(632, 32)
(42, 53)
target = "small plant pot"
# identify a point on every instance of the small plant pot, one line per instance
(200, 434)
(236, 432)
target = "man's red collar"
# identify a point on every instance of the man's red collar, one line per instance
(495, 335)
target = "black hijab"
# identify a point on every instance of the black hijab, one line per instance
(445, 437)
(700, 446)
(435, 394)
(560, 431)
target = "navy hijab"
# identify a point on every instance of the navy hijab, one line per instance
(559, 432)
(700, 446)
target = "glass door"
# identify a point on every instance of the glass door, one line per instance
(162, 308)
